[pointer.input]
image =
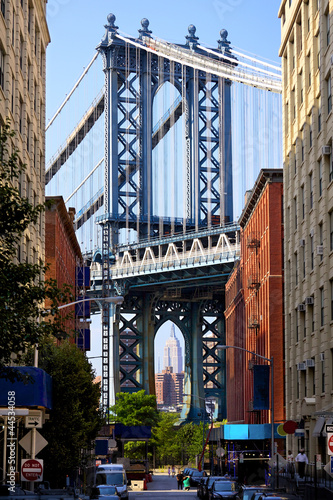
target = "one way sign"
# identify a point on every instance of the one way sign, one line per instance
(34, 421)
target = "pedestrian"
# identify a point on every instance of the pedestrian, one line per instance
(180, 478)
(169, 470)
(290, 463)
(173, 471)
(302, 460)
(186, 483)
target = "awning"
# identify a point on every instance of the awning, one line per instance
(318, 427)
(329, 421)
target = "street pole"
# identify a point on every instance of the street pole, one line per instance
(271, 361)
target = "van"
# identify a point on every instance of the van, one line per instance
(113, 475)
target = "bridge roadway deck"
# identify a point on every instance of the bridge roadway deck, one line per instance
(164, 486)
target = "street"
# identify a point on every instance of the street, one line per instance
(163, 486)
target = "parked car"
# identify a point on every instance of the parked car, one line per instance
(201, 487)
(270, 496)
(195, 476)
(104, 492)
(207, 486)
(223, 490)
(247, 492)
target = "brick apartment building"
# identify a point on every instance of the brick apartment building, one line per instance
(169, 387)
(254, 301)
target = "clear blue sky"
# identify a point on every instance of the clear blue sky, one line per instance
(77, 26)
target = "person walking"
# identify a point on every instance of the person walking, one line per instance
(173, 471)
(290, 463)
(169, 470)
(302, 460)
(180, 478)
(186, 483)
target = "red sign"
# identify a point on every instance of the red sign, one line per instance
(290, 426)
(330, 444)
(32, 470)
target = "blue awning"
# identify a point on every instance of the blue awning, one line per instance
(34, 390)
(233, 432)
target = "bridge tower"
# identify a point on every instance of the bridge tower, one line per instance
(134, 72)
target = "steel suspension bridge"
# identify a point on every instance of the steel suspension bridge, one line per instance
(150, 168)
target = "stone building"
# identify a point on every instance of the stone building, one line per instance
(24, 37)
(306, 52)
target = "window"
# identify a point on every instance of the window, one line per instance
(311, 252)
(28, 135)
(30, 19)
(301, 86)
(21, 116)
(302, 150)
(295, 211)
(21, 51)
(321, 295)
(319, 115)
(329, 95)
(320, 174)
(296, 269)
(13, 29)
(321, 238)
(13, 92)
(309, 68)
(310, 135)
(311, 317)
(304, 270)
(311, 190)
(318, 49)
(331, 231)
(296, 324)
(35, 97)
(327, 16)
(303, 202)
(331, 286)
(297, 385)
(3, 8)
(322, 372)
(331, 168)
(29, 74)
(312, 375)
(2, 69)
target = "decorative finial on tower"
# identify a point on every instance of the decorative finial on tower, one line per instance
(111, 29)
(144, 31)
(191, 39)
(223, 43)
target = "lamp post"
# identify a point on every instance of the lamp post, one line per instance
(271, 361)
(203, 425)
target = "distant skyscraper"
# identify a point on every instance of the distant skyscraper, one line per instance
(173, 353)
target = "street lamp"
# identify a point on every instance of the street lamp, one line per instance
(118, 299)
(203, 427)
(271, 361)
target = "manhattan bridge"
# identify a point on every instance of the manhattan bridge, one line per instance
(155, 147)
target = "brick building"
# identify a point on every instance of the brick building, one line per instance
(63, 255)
(254, 301)
(169, 387)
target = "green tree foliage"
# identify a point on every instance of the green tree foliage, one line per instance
(137, 408)
(190, 440)
(165, 438)
(23, 321)
(75, 417)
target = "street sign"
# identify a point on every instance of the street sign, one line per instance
(33, 421)
(329, 432)
(26, 442)
(220, 452)
(32, 470)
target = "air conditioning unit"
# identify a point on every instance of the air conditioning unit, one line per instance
(253, 322)
(301, 307)
(322, 356)
(309, 301)
(302, 243)
(312, 233)
(320, 250)
(310, 363)
(301, 366)
(326, 150)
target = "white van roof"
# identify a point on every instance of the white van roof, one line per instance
(110, 467)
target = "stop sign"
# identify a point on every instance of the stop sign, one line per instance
(32, 470)
(330, 444)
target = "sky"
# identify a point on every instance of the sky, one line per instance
(77, 26)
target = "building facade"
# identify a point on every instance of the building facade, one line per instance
(306, 52)
(169, 387)
(24, 37)
(65, 265)
(172, 353)
(254, 302)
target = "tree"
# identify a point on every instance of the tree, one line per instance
(75, 417)
(23, 319)
(137, 408)
(164, 438)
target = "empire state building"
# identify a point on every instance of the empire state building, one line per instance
(173, 353)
